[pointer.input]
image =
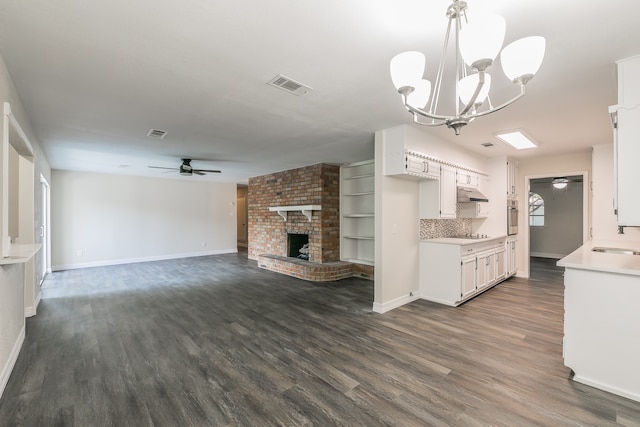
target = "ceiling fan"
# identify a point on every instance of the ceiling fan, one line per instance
(187, 170)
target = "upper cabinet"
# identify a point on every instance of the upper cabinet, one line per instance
(412, 165)
(512, 177)
(438, 198)
(466, 178)
(626, 120)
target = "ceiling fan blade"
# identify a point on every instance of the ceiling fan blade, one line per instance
(161, 167)
(197, 172)
(207, 170)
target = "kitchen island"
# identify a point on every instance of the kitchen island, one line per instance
(602, 317)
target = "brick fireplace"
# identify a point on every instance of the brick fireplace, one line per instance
(317, 185)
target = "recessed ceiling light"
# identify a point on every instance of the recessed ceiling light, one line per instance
(517, 140)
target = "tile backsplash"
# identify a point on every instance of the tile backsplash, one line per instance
(436, 228)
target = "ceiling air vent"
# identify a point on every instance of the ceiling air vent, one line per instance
(487, 144)
(156, 133)
(289, 85)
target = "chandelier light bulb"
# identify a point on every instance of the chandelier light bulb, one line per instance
(482, 38)
(467, 86)
(419, 97)
(523, 58)
(407, 68)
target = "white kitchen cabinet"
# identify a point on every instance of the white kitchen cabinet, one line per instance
(438, 199)
(626, 170)
(468, 276)
(412, 165)
(501, 264)
(452, 272)
(510, 252)
(486, 270)
(512, 177)
(357, 212)
(629, 81)
(466, 178)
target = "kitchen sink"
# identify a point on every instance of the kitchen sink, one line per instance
(616, 251)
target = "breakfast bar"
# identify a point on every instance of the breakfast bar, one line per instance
(601, 333)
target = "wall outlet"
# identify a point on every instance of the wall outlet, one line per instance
(80, 252)
(204, 244)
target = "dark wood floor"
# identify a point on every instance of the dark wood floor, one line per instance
(215, 341)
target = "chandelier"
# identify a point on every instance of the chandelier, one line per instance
(478, 41)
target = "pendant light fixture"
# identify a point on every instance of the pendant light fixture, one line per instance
(478, 40)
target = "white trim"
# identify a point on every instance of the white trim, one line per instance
(305, 209)
(610, 389)
(11, 362)
(394, 303)
(142, 259)
(32, 311)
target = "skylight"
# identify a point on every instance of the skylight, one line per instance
(517, 140)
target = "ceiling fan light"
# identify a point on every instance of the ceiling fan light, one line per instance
(406, 68)
(560, 183)
(523, 57)
(467, 86)
(419, 97)
(481, 39)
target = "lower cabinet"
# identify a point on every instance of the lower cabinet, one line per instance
(451, 273)
(510, 255)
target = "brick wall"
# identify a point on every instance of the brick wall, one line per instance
(311, 185)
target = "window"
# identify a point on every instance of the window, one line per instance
(536, 210)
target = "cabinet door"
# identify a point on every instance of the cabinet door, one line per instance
(481, 271)
(512, 174)
(468, 275)
(448, 192)
(414, 164)
(501, 264)
(627, 173)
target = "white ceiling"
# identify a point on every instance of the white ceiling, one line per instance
(95, 77)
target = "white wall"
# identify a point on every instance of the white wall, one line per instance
(562, 230)
(111, 219)
(12, 304)
(397, 223)
(605, 226)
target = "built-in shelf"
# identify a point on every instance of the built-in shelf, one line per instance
(305, 209)
(357, 228)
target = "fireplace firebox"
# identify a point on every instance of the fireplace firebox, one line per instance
(298, 245)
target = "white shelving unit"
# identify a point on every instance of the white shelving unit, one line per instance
(357, 212)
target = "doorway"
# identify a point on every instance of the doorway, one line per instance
(556, 219)
(242, 215)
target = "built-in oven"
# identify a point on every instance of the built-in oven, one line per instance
(512, 217)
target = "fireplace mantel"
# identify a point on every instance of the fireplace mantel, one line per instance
(305, 209)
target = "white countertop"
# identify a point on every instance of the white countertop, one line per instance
(461, 241)
(21, 253)
(584, 258)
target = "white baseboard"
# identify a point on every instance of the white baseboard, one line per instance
(31, 311)
(608, 388)
(11, 362)
(142, 259)
(394, 303)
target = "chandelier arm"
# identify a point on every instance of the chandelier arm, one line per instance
(506, 104)
(421, 112)
(433, 122)
(438, 83)
(472, 101)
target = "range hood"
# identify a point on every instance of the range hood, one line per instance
(466, 194)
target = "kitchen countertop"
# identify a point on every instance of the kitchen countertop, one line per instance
(584, 258)
(461, 241)
(21, 253)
